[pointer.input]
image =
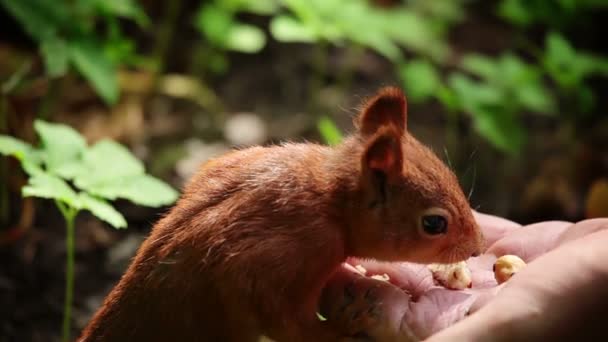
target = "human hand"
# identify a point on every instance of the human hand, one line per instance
(561, 294)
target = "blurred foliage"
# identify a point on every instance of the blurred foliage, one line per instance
(330, 133)
(67, 36)
(421, 27)
(550, 77)
(494, 91)
(499, 91)
(217, 22)
(358, 22)
(555, 13)
(570, 69)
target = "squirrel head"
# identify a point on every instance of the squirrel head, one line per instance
(407, 204)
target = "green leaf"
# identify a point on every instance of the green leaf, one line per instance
(500, 128)
(30, 159)
(420, 80)
(48, 186)
(140, 189)
(379, 42)
(412, 31)
(516, 12)
(55, 53)
(568, 67)
(481, 66)
(473, 94)
(214, 22)
(245, 38)
(32, 166)
(310, 13)
(320, 18)
(106, 161)
(493, 118)
(559, 49)
(71, 169)
(10, 146)
(109, 170)
(102, 210)
(89, 59)
(448, 98)
(514, 72)
(533, 96)
(330, 133)
(448, 11)
(123, 8)
(287, 29)
(60, 143)
(260, 7)
(41, 19)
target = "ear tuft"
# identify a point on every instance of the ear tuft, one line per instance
(387, 107)
(383, 153)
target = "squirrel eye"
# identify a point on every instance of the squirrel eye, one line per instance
(434, 224)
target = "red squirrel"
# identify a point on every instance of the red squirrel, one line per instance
(257, 233)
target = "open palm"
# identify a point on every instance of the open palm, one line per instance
(561, 294)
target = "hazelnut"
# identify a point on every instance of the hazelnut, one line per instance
(456, 276)
(506, 266)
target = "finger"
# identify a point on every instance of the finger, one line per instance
(481, 271)
(494, 227)
(531, 241)
(581, 229)
(484, 296)
(415, 279)
(559, 296)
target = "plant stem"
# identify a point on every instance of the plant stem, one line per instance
(353, 55)
(4, 194)
(69, 214)
(164, 34)
(49, 100)
(319, 72)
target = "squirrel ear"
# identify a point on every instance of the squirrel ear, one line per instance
(387, 107)
(383, 153)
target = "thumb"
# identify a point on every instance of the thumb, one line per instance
(562, 295)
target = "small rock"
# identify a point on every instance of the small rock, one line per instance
(245, 129)
(197, 153)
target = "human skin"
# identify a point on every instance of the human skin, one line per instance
(562, 293)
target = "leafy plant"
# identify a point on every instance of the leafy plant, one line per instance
(556, 13)
(217, 21)
(569, 69)
(65, 33)
(420, 78)
(329, 131)
(358, 22)
(503, 88)
(77, 177)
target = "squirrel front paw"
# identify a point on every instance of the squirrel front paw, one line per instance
(366, 309)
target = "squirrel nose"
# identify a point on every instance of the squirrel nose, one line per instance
(476, 254)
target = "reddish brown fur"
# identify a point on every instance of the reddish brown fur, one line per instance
(257, 233)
